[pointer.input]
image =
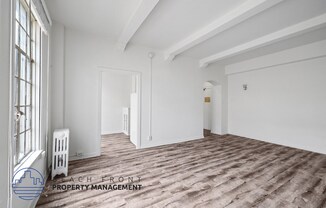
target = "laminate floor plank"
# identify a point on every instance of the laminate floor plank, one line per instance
(216, 171)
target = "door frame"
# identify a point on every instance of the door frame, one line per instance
(217, 113)
(103, 69)
(216, 89)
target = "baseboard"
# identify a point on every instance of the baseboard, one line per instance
(111, 132)
(281, 144)
(84, 156)
(153, 144)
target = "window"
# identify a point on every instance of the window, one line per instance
(25, 80)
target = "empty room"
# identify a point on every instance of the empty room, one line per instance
(163, 103)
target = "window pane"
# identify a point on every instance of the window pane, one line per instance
(27, 47)
(16, 141)
(22, 35)
(17, 9)
(28, 94)
(28, 142)
(22, 66)
(22, 120)
(15, 126)
(23, 17)
(28, 24)
(22, 92)
(16, 92)
(16, 62)
(28, 71)
(33, 50)
(21, 146)
(17, 33)
(32, 25)
(28, 118)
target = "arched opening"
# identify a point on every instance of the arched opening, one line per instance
(212, 108)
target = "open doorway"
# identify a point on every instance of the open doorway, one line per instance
(120, 105)
(212, 108)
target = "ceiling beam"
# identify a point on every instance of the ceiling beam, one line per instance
(288, 32)
(246, 10)
(139, 16)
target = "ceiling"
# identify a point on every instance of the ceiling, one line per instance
(171, 21)
(274, 19)
(104, 17)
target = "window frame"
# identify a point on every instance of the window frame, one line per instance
(32, 83)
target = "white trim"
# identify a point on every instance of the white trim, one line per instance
(301, 53)
(279, 64)
(171, 141)
(29, 160)
(286, 33)
(266, 139)
(243, 12)
(85, 156)
(99, 114)
(11, 101)
(38, 18)
(46, 12)
(48, 116)
(150, 136)
(139, 87)
(139, 16)
(111, 132)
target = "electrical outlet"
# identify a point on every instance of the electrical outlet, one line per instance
(150, 138)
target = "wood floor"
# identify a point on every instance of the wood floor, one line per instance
(217, 171)
(207, 133)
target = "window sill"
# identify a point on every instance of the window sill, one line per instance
(27, 163)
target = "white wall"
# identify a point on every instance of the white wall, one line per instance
(177, 101)
(57, 76)
(177, 91)
(285, 101)
(4, 101)
(116, 90)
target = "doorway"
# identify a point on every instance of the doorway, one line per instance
(120, 105)
(212, 108)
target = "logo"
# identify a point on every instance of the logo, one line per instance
(28, 183)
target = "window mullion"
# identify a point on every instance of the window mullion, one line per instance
(17, 109)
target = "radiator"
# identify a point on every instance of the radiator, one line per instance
(60, 153)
